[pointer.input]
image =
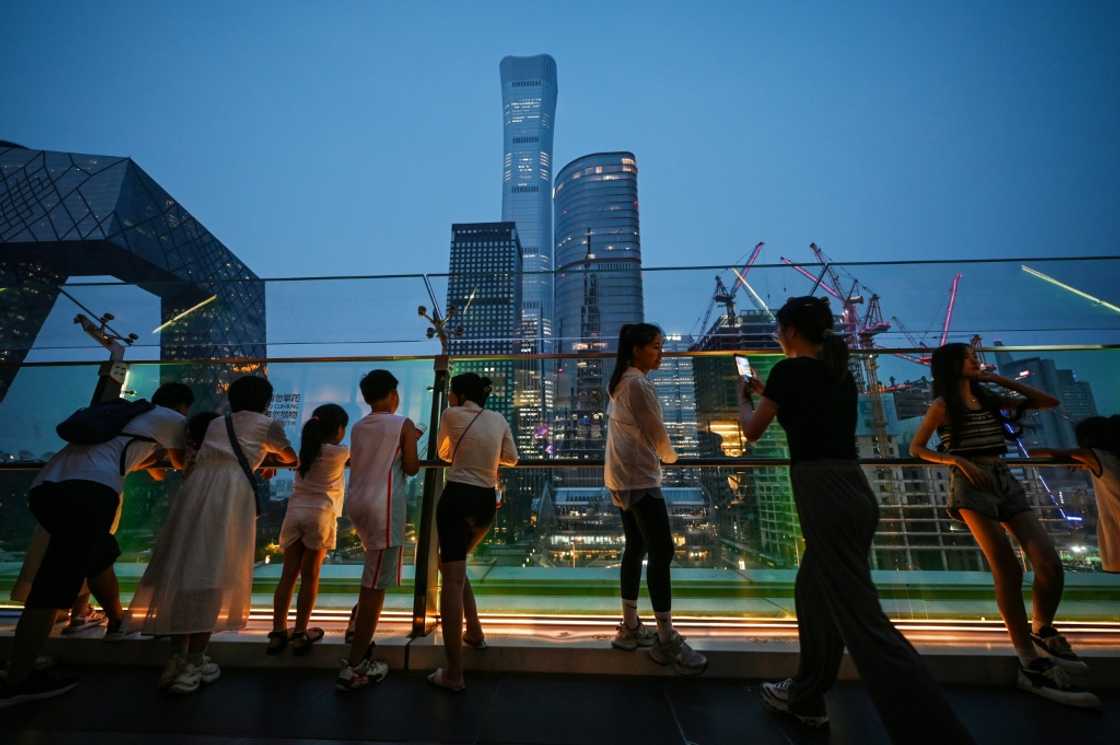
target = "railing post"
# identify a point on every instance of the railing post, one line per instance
(425, 592)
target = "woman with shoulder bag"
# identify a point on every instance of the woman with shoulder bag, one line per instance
(476, 442)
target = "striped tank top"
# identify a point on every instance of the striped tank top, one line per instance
(981, 433)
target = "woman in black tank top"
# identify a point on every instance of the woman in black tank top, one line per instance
(814, 398)
(970, 421)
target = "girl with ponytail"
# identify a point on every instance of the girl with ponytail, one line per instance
(814, 397)
(309, 528)
(637, 443)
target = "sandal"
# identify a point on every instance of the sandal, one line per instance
(277, 640)
(480, 644)
(439, 681)
(302, 640)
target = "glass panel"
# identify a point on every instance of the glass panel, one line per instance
(555, 544)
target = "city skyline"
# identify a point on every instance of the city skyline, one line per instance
(849, 126)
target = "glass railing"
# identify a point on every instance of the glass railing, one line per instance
(556, 541)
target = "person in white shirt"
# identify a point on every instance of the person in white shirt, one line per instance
(475, 442)
(199, 580)
(637, 443)
(75, 498)
(384, 455)
(310, 522)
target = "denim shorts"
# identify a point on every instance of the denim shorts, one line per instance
(1006, 499)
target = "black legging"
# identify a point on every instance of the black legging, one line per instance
(646, 525)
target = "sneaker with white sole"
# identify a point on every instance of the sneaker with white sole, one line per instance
(208, 671)
(775, 696)
(353, 677)
(684, 659)
(187, 680)
(629, 639)
(1043, 677)
(1055, 646)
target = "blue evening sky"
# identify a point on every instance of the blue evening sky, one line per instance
(346, 137)
(340, 138)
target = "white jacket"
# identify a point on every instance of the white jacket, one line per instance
(637, 442)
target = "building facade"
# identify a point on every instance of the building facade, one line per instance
(66, 215)
(598, 289)
(529, 91)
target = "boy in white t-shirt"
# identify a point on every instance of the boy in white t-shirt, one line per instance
(382, 454)
(75, 499)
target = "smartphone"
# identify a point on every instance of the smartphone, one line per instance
(744, 367)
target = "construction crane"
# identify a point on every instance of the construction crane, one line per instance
(726, 297)
(946, 324)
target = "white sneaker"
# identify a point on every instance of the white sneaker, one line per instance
(776, 698)
(1044, 678)
(208, 671)
(187, 681)
(353, 677)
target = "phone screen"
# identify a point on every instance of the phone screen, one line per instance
(744, 366)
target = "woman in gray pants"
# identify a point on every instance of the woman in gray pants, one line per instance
(814, 397)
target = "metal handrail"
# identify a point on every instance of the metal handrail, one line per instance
(565, 463)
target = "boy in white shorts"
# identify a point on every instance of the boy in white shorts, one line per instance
(382, 454)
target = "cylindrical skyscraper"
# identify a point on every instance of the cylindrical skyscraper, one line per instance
(598, 287)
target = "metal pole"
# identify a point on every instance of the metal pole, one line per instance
(425, 591)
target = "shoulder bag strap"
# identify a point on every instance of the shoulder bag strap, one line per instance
(237, 451)
(465, 431)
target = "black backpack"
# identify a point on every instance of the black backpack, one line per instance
(102, 422)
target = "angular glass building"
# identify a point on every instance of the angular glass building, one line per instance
(528, 115)
(66, 215)
(598, 288)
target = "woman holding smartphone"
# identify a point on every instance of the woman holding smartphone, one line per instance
(814, 397)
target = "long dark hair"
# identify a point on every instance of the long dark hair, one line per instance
(812, 317)
(1099, 433)
(630, 336)
(947, 364)
(197, 426)
(324, 423)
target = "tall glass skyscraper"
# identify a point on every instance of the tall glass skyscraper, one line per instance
(528, 114)
(598, 288)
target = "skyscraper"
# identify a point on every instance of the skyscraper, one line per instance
(528, 113)
(598, 287)
(485, 283)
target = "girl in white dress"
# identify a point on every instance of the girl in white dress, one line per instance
(199, 579)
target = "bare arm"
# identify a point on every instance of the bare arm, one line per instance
(1036, 399)
(1084, 458)
(919, 447)
(754, 422)
(443, 438)
(509, 455)
(410, 461)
